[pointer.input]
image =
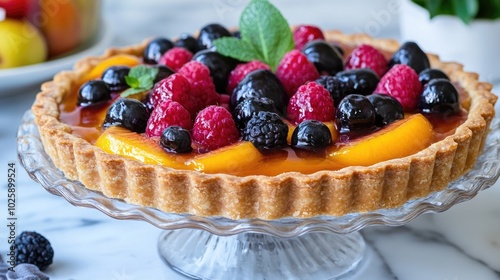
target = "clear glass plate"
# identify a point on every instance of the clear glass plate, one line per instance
(253, 248)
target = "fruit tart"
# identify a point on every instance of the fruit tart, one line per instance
(265, 123)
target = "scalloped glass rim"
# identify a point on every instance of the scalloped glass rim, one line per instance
(41, 169)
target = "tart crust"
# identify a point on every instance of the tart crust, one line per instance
(353, 189)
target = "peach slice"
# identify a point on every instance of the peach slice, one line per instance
(330, 125)
(400, 139)
(232, 159)
(116, 60)
(123, 142)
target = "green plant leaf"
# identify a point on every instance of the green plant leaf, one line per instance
(236, 48)
(434, 7)
(465, 9)
(489, 9)
(132, 82)
(140, 78)
(132, 91)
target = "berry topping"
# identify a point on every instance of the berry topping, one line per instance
(295, 70)
(33, 248)
(311, 102)
(155, 49)
(401, 82)
(202, 86)
(163, 72)
(166, 114)
(335, 87)
(306, 33)
(93, 92)
(266, 130)
(114, 77)
(412, 55)
(430, 74)
(439, 97)
(209, 33)
(366, 56)
(128, 113)
(175, 58)
(311, 135)
(176, 139)
(240, 72)
(355, 115)
(177, 88)
(260, 83)
(250, 107)
(325, 58)
(359, 81)
(387, 109)
(214, 128)
(220, 67)
(188, 42)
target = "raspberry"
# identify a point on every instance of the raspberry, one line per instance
(33, 248)
(214, 128)
(366, 56)
(306, 33)
(224, 100)
(177, 88)
(175, 58)
(295, 70)
(311, 102)
(266, 130)
(202, 86)
(401, 82)
(241, 71)
(165, 114)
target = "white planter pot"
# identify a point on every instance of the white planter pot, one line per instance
(474, 45)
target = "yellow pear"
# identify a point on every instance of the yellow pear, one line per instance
(20, 44)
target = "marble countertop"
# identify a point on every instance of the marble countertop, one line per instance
(461, 243)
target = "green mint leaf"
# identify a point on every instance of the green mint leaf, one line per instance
(236, 48)
(141, 76)
(263, 26)
(132, 81)
(146, 82)
(132, 91)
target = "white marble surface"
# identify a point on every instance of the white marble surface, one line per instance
(462, 243)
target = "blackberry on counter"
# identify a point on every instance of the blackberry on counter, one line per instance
(266, 131)
(114, 77)
(311, 135)
(176, 139)
(93, 92)
(155, 49)
(251, 107)
(128, 113)
(33, 248)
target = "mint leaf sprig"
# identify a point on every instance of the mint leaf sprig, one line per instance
(140, 79)
(265, 35)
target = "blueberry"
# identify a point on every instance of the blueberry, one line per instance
(324, 56)
(339, 49)
(127, 113)
(260, 83)
(209, 33)
(220, 67)
(163, 72)
(430, 74)
(412, 55)
(387, 109)
(359, 81)
(311, 135)
(176, 139)
(155, 49)
(246, 109)
(93, 92)
(355, 115)
(266, 131)
(188, 42)
(114, 77)
(439, 97)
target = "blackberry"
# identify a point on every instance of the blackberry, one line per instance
(260, 83)
(93, 92)
(155, 49)
(188, 42)
(335, 86)
(311, 135)
(250, 107)
(439, 97)
(412, 55)
(355, 115)
(33, 248)
(430, 74)
(176, 139)
(220, 67)
(127, 113)
(387, 109)
(324, 57)
(266, 131)
(209, 33)
(114, 77)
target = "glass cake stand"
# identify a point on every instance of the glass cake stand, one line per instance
(218, 248)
